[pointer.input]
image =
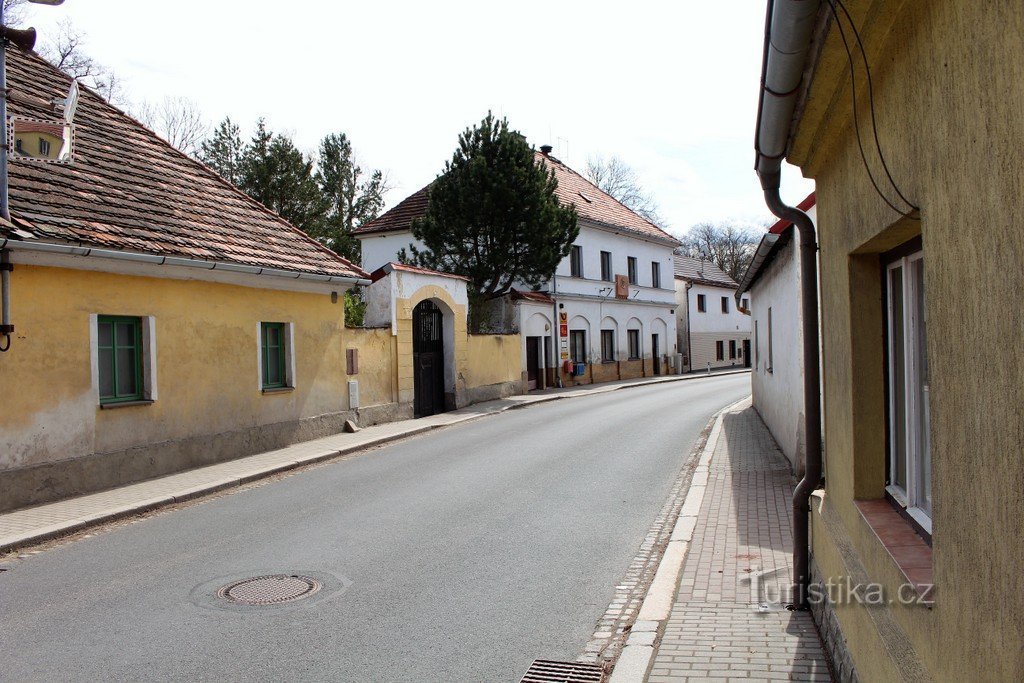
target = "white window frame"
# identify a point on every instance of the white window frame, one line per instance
(289, 357)
(917, 448)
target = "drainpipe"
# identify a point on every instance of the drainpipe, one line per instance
(789, 28)
(6, 328)
(556, 335)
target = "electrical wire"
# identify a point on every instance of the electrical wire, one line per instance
(871, 105)
(856, 118)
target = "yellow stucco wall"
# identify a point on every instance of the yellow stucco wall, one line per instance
(206, 348)
(948, 101)
(378, 362)
(492, 359)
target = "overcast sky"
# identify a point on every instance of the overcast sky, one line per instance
(669, 87)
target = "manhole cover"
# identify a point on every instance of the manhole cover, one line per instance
(269, 590)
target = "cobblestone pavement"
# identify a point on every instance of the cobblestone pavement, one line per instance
(727, 623)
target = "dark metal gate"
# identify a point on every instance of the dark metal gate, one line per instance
(428, 358)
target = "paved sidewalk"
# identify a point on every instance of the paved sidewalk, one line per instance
(35, 524)
(725, 623)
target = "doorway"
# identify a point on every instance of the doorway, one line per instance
(428, 359)
(532, 362)
(746, 353)
(656, 353)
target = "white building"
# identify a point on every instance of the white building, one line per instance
(609, 310)
(773, 284)
(713, 331)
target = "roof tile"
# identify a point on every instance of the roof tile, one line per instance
(129, 190)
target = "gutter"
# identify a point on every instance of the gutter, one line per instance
(789, 26)
(764, 252)
(72, 250)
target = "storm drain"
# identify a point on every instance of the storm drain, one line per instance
(547, 671)
(270, 590)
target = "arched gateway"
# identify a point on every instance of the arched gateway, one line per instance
(428, 358)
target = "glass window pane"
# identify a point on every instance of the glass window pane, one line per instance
(105, 334)
(125, 334)
(106, 363)
(273, 369)
(126, 385)
(897, 379)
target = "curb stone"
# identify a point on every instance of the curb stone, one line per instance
(635, 659)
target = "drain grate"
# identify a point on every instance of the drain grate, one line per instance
(270, 590)
(547, 671)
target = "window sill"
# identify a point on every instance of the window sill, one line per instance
(277, 390)
(126, 404)
(906, 548)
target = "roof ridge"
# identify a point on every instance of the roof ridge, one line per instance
(195, 163)
(584, 179)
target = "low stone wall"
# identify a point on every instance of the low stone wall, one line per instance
(604, 372)
(631, 369)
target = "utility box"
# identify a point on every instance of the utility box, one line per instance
(353, 394)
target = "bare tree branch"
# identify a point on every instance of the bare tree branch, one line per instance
(619, 180)
(729, 245)
(178, 120)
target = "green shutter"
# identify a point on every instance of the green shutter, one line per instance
(272, 353)
(120, 358)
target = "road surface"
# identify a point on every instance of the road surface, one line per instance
(459, 555)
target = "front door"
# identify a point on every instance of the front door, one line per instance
(746, 353)
(532, 362)
(428, 359)
(656, 354)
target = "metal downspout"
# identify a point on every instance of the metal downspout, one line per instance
(812, 390)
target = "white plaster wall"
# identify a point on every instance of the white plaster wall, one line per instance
(778, 393)
(593, 316)
(713, 320)
(380, 249)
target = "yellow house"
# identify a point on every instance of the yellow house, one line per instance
(164, 320)
(918, 183)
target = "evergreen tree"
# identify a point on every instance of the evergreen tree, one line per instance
(351, 197)
(276, 173)
(223, 151)
(493, 216)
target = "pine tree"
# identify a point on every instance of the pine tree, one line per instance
(276, 173)
(223, 151)
(493, 216)
(351, 197)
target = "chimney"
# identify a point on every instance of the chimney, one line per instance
(546, 149)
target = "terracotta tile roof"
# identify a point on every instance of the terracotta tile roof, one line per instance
(399, 217)
(532, 296)
(394, 265)
(705, 273)
(591, 204)
(129, 190)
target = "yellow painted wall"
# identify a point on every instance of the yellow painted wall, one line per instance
(377, 349)
(948, 101)
(492, 359)
(207, 373)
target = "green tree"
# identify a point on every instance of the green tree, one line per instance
(493, 216)
(223, 151)
(276, 173)
(352, 197)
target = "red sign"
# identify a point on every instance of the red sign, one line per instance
(563, 330)
(621, 287)
(563, 317)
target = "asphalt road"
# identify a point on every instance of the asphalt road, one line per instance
(459, 555)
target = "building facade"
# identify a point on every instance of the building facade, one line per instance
(163, 320)
(772, 285)
(607, 313)
(713, 330)
(923, 476)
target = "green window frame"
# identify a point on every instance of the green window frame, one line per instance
(273, 355)
(119, 345)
